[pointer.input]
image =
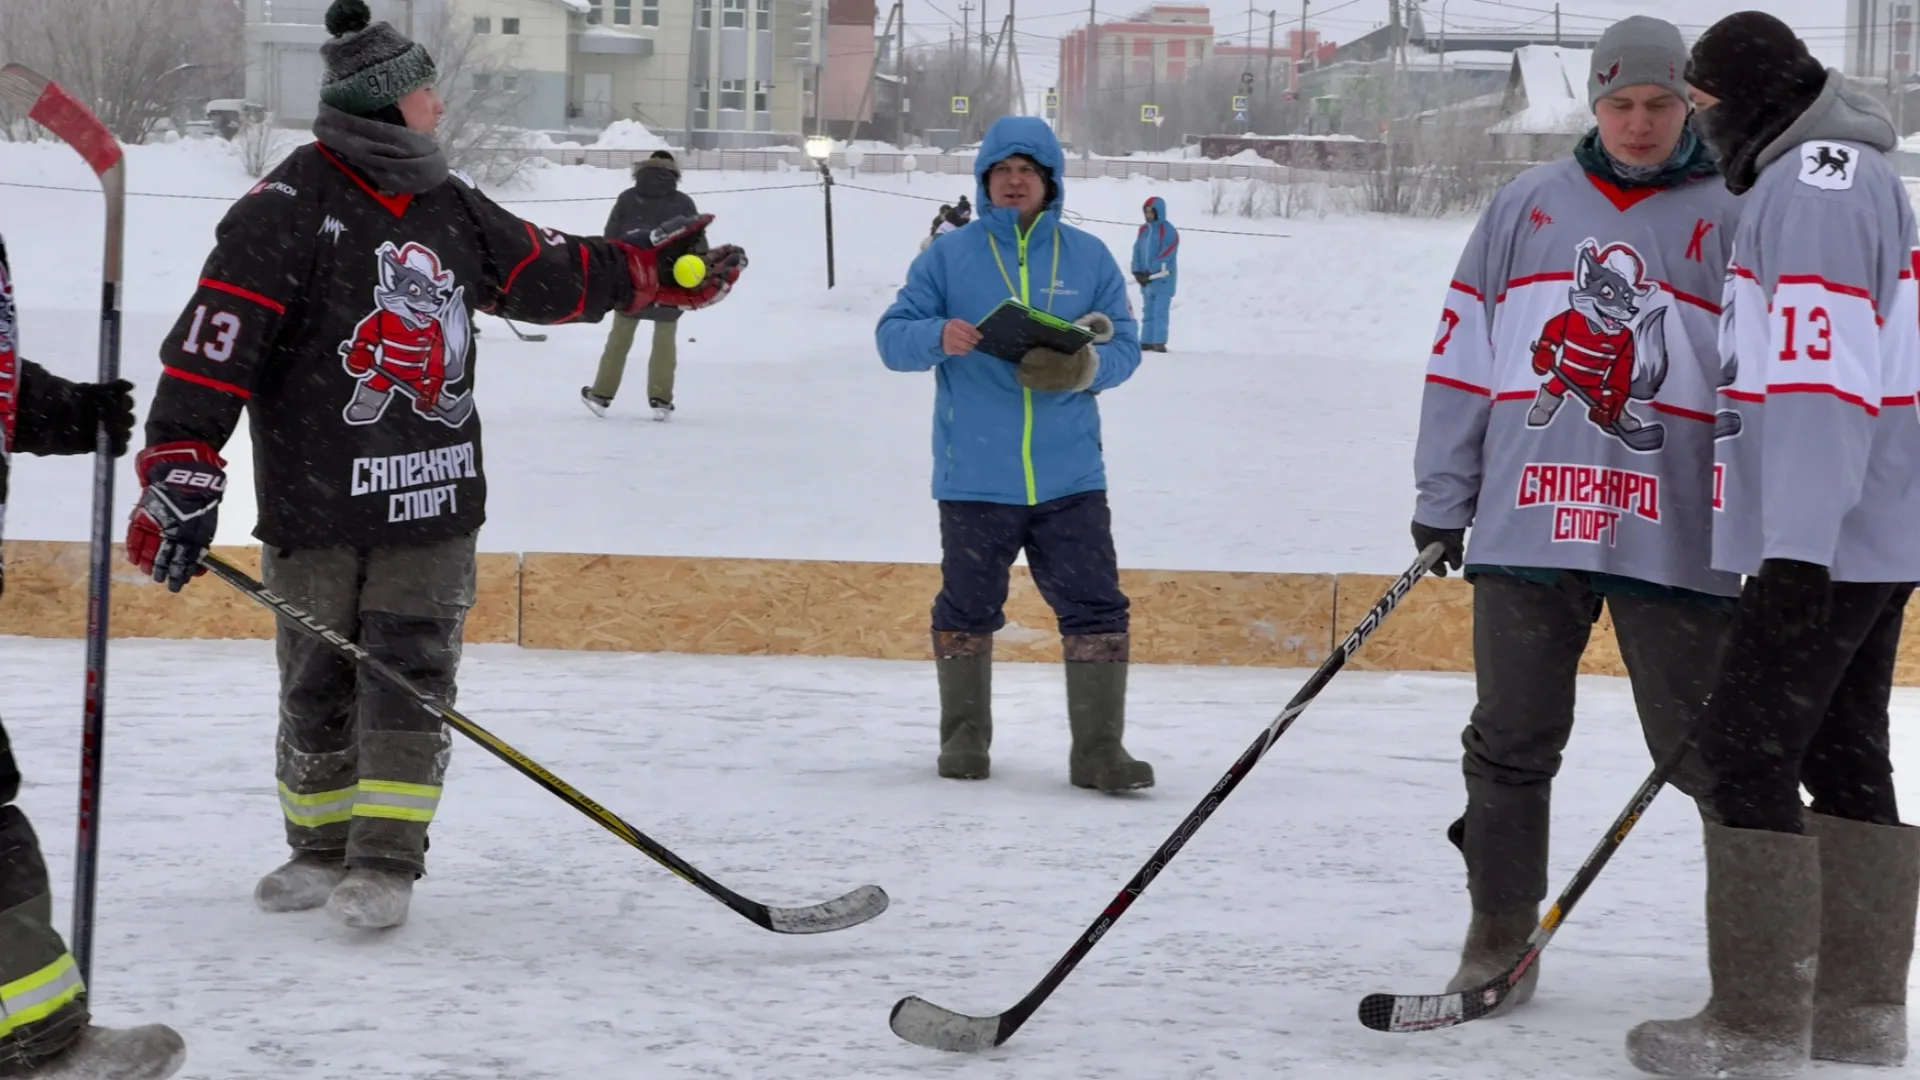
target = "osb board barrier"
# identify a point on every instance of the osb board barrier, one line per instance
(1432, 629)
(881, 610)
(46, 596)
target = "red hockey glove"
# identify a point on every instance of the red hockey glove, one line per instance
(655, 287)
(172, 526)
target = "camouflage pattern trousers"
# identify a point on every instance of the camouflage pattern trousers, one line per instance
(359, 762)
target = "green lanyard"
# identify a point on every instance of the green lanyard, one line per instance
(1021, 293)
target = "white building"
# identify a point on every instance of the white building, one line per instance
(1880, 38)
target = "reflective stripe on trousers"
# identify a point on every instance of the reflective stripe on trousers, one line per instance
(39, 995)
(369, 798)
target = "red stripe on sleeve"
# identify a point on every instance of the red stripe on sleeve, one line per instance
(1458, 385)
(1830, 286)
(212, 384)
(1823, 388)
(245, 294)
(532, 238)
(1468, 289)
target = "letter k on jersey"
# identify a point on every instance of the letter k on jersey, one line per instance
(1701, 227)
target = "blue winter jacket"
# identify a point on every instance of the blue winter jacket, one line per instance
(993, 439)
(1156, 250)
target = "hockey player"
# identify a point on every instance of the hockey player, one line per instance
(654, 200)
(1156, 266)
(44, 1028)
(1568, 418)
(1810, 915)
(336, 309)
(1017, 452)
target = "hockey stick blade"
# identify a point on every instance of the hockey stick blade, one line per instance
(1403, 1013)
(522, 334)
(923, 1023)
(49, 105)
(926, 1024)
(852, 909)
(839, 913)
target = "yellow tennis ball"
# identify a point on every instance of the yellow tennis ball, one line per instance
(689, 270)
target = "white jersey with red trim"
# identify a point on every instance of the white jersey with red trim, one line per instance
(1818, 458)
(1569, 407)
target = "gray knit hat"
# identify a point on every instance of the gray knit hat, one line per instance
(1638, 51)
(370, 65)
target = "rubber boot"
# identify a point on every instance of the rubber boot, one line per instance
(1869, 881)
(1763, 949)
(149, 1052)
(1494, 942)
(964, 662)
(372, 899)
(1097, 715)
(302, 883)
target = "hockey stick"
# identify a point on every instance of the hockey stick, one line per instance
(1645, 439)
(1426, 1012)
(839, 913)
(926, 1024)
(50, 106)
(522, 335)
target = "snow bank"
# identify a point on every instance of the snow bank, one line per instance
(629, 135)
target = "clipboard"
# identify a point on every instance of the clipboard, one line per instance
(1012, 328)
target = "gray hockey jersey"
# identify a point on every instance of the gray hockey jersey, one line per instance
(1568, 415)
(1819, 451)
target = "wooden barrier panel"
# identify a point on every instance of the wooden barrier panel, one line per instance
(821, 608)
(881, 610)
(46, 596)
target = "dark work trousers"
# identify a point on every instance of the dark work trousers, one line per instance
(360, 763)
(1807, 710)
(1527, 642)
(1069, 546)
(43, 1006)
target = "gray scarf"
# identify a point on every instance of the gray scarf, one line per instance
(398, 161)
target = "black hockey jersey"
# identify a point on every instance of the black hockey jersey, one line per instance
(340, 318)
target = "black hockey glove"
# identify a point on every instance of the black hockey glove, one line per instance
(1795, 597)
(172, 527)
(654, 285)
(58, 417)
(1454, 540)
(1142, 276)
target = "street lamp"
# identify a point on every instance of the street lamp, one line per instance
(820, 149)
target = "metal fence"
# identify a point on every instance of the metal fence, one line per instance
(883, 163)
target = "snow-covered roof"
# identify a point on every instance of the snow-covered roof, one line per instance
(578, 6)
(1553, 81)
(1462, 60)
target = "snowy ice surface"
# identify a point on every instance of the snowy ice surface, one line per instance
(541, 947)
(1276, 436)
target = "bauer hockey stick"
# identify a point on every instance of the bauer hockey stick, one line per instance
(926, 1024)
(522, 334)
(1427, 1012)
(839, 913)
(50, 106)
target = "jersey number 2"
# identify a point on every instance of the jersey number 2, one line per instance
(225, 326)
(1451, 319)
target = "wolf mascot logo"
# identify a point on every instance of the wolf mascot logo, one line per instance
(414, 342)
(1606, 349)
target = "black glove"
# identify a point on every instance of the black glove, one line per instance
(58, 417)
(172, 527)
(1454, 540)
(1142, 276)
(1794, 597)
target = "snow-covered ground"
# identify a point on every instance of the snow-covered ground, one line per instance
(1276, 436)
(541, 947)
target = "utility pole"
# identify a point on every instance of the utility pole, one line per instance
(1295, 61)
(1266, 94)
(966, 34)
(411, 34)
(1556, 24)
(1013, 65)
(1089, 81)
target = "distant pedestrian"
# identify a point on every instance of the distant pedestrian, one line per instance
(1156, 266)
(654, 199)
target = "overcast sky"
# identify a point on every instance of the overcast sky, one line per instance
(1041, 22)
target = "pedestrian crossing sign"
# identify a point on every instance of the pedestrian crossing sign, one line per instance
(1240, 106)
(959, 106)
(1053, 101)
(1149, 114)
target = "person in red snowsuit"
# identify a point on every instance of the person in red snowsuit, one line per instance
(1598, 363)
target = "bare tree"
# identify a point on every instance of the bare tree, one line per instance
(481, 86)
(935, 75)
(135, 62)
